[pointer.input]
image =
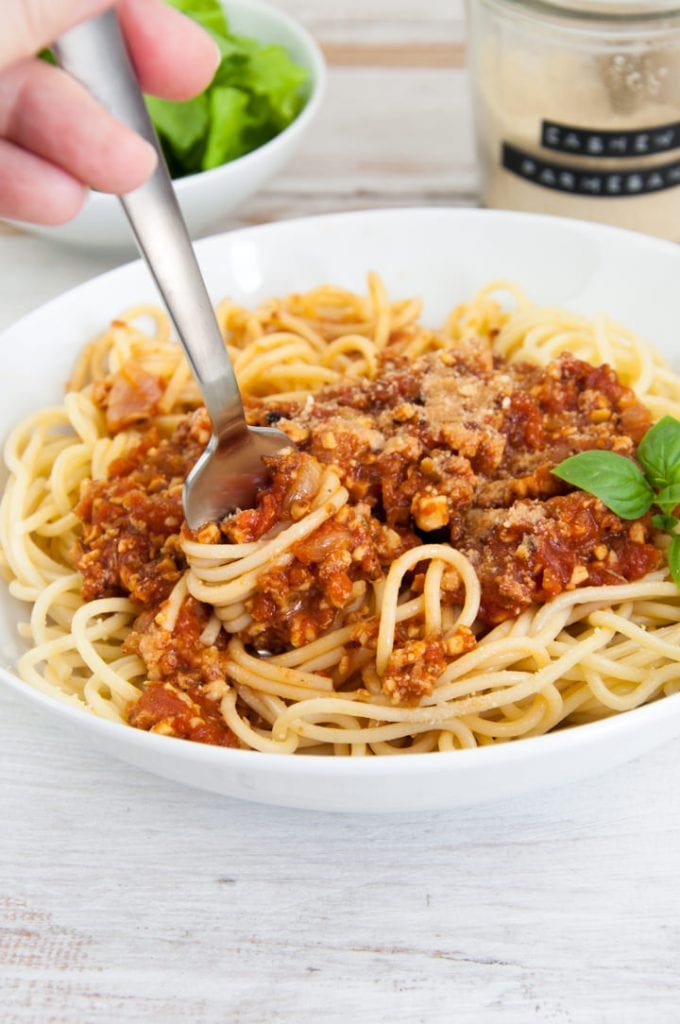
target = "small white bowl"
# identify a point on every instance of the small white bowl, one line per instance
(210, 195)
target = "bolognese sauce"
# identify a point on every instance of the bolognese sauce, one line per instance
(457, 445)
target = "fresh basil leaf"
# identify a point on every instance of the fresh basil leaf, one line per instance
(664, 522)
(659, 452)
(674, 559)
(668, 499)
(612, 478)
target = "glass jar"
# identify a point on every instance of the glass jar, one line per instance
(577, 108)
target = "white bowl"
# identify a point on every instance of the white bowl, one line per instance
(443, 256)
(211, 195)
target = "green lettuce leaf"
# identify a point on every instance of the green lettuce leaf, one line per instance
(208, 13)
(225, 139)
(256, 92)
(182, 125)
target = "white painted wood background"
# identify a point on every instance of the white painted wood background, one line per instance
(125, 898)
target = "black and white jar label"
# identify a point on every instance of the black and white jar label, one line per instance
(627, 179)
(641, 142)
(627, 173)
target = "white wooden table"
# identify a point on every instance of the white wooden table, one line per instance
(125, 898)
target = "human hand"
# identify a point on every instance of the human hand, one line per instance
(56, 141)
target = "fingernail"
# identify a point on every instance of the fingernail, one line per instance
(218, 56)
(151, 156)
(144, 159)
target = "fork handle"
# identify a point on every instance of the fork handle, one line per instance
(95, 53)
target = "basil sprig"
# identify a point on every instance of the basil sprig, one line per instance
(631, 491)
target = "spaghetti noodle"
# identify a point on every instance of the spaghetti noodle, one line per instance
(413, 577)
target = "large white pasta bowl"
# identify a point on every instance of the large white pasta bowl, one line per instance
(443, 256)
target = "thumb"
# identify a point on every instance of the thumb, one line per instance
(30, 25)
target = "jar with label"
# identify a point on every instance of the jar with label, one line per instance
(577, 106)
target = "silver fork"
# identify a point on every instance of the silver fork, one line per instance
(230, 470)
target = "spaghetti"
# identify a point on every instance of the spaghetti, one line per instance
(413, 577)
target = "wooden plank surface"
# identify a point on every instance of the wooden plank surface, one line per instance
(125, 898)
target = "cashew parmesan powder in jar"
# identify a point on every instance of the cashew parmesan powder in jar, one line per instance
(577, 106)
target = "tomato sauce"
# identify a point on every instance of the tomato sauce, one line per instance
(456, 446)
